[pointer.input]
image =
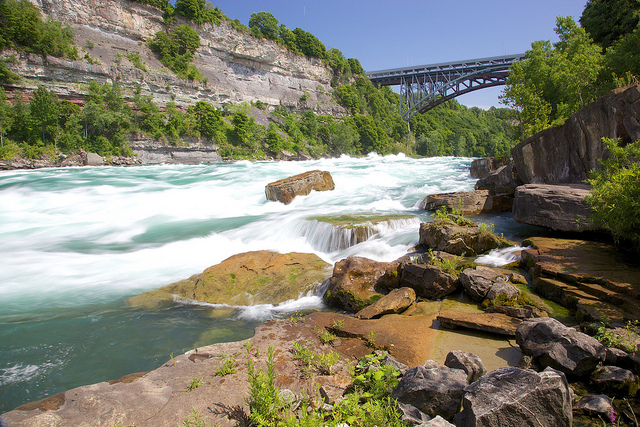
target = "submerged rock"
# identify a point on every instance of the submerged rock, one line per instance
(285, 190)
(260, 277)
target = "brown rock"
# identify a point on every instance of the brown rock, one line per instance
(559, 207)
(352, 285)
(299, 185)
(496, 323)
(502, 181)
(470, 202)
(567, 154)
(395, 301)
(455, 239)
(260, 277)
(428, 280)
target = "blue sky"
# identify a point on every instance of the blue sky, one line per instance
(391, 34)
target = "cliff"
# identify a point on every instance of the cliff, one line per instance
(566, 154)
(237, 67)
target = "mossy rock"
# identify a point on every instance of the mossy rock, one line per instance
(260, 277)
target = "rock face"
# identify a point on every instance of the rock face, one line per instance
(433, 389)
(395, 301)
(516, 397)
(352, 285)
(428, 281)
(455, 239)
(470, 202)
(495, 323)
(559, 207)
(552, 344)
(285, 190)
(482, 167)
(477, 282)
(501, 181)
(468, 362)
(567, 154)
(260, 277)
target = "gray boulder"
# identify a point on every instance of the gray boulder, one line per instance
(517, 397)
(412, 415)
(550, 343)
(437, 422)
(469, 202)
(501, 287)
(594, 404)
(558, 207)
(478, 282)
(435, 390)
(502, 181)
(468, 362)
(615, 381)
(428, 281)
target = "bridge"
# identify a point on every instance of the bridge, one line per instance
(426, 86)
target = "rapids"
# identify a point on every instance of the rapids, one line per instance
(77, 242)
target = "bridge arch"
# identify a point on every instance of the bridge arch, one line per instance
(426, 86)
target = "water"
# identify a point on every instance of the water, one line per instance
(77, 242)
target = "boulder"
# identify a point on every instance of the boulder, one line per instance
(259, 277)
(450, 237)
(482, 167)
(412, 415)
(501, 288)
(435, 390)
(550, 343)
(597, 404)
(428, 281)
(468, 362)
(567, 154)
(517, 397)
(495, 323)
(469, 202)
(615, 381)
(73, 160)
(502, 181)
(478, 282)
(526, 312)
(395, 301)
(92, 159)
(285, 190)
(352, 285)
(558, 207)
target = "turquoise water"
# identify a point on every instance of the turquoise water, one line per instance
(77, 242)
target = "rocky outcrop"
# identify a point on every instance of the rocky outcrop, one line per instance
(482, 167)
(567, 154)
(477, 282)
(285, 190)
(455, 239)
(549, 343)
(495, 323)
(260, 277)
(513, 396)
(503, 181)
(353, 284)
(558, 207)
(468, 362)
(395, 301)
(469, 202)
(428, 281)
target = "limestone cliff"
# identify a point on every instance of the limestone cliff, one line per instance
(238, 67)
(567, 154)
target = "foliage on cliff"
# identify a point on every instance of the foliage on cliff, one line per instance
(22, 28)
(556, 80)
(616, 194)
(176, 49)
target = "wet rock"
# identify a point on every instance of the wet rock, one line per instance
(352, 285)
(468, 362)
(455, 239)
(478, 282)
(514, 396)
(615, 381)
(469, 202)
(259, 277)
(558, 207)
(503, 181)
(597, 404)
(550, 343)
(285, 190)
(433, 390)
(395, 301)
(496, 323)
(428, 281)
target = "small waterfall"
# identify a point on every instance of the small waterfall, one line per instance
(500, 257)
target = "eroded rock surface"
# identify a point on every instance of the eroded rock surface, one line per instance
(285, 190)
(395, 301)
(455, 239)
(353, 283)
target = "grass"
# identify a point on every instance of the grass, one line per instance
(194, 384)
(227, 367)
(322, 362)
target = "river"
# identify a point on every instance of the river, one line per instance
(77, 242)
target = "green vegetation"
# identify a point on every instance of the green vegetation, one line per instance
(455, 215)
(195, 420)
(22, 28)
(448, 265)
(367, 403)
(322, 362)
(175, 50)
(615, 196)
(626, 340)
(194, 384)
(227, 367)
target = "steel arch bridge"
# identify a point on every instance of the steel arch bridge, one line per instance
(427, 86)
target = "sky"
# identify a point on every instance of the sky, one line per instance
(386, 34)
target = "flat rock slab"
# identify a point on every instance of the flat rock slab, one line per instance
(558, 207)
(285, 190)
(496, 323)
(470, 202)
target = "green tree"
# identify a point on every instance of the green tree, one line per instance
(176, 50)
(309, 44)
(5, 116)
(264, 24)
(606, 21)
(44, 110)
(208, 120)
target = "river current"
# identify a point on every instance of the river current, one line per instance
(77, 242)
